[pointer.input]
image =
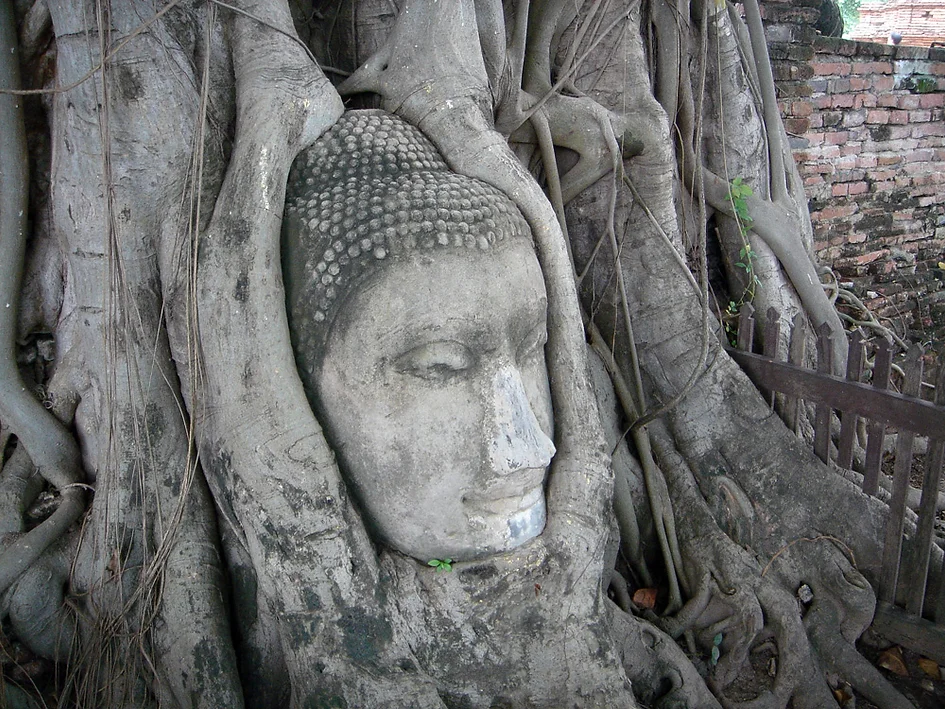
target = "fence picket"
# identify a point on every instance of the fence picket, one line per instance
(848, 419)
(787, 383)
(746, 327)
(770, 345)
(796, 354)
(822, 415)
(882, 364)
(892, 548)
(919, 568)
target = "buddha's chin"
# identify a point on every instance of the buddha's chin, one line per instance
(509, 523)
(491, 528)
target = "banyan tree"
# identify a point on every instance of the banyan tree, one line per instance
(367, 354)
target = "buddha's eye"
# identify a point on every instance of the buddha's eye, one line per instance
(533, 342)
(436, 361)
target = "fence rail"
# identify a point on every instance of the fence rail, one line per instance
(879, 407)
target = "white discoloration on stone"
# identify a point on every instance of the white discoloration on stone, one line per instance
(517, 440)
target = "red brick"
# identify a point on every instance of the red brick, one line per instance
(873, 68)
(796, 126)
(852, 119)
(917, 168)
(900, 132)
(867, 161)
(877, 117)
(839, 190)
(925, 155)
(864, 259)
(883, 83)
(847, 162)
(837, 137)
(909, 102)
(857, 188)
(845, 210)
(842, 101)
(899, 118)
(801, 109)
(931, 100)
(920, 116)
(858, 83)
(864, 101)
(830, 68)
(925, 129)
(889, 100)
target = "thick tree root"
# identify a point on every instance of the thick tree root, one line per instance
(51, 447)
(752, 604)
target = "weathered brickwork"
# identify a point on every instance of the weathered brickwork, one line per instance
(867, 126)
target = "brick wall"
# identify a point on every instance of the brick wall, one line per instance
(868, 132)
(918, 22)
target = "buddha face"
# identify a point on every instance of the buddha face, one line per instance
(434, 392)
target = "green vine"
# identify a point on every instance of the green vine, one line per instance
(738, 194)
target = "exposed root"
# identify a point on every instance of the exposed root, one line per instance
(661, 674)
(51, 447)
(750, 604)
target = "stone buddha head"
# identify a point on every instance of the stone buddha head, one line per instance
(418, 317)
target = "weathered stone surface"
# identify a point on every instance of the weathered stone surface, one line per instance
(418, 314)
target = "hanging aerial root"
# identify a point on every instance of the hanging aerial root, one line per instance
(51, 447)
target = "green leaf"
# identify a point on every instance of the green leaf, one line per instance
(717, 640)
(433, 562)
(715, 655)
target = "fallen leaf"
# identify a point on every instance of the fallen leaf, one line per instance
(842, 695)
(645, 598)
(930, 667)
(891, 660)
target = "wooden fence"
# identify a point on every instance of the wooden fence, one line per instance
(876, 404)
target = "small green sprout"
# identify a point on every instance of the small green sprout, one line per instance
(716, 652)
(441, 564)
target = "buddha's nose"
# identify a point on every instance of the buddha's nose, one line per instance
(517, 441)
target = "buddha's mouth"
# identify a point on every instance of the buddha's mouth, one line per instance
(509, 503)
